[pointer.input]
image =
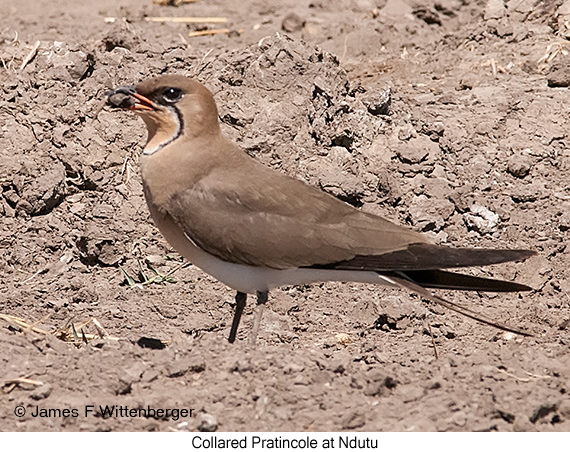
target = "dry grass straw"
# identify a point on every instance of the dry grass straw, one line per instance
(216, 31)
(188, 20)
(30, 55)
(172, 2)
(553, 50)
(72, 333)
(22, 382)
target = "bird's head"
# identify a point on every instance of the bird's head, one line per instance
(172, 106)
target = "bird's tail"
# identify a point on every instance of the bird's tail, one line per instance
(420, 281)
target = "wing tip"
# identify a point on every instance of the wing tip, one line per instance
(441, 279)
(526, 254)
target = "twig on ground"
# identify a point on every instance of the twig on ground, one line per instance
(9, 385)
(73, 333)
(216, 31)
(188, 20)
(172, 2)
(30, 55)
(433, 341)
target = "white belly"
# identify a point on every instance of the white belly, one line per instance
(249, 279)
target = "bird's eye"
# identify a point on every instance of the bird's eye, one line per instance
(172, 95)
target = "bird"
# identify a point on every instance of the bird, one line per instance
(255, 229)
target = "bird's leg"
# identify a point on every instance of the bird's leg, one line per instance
(240, 304)
(261, 300)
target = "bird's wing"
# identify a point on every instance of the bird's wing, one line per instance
(440, 279)
(425, 256)
(271, 220)
(280, 225)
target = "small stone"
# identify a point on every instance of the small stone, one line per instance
(11, 196)
(564, 221)
(85, 295)
(559, 73)
(462, 198)
(241, 366)
(301, 380)
(519, 165)
(103, 211)
(410, 392)
(506, 416)
(504, 28)
(428, 15)
(176, 369)
(45, 192)
(122, 386)
(154, 260)
(57, 345)
(434, 130)
(322, 377)
(459, 418)
(379, 104)
(527, 193)
(208, 423)
(481, 219)
(353, 420)
(292, 368)
(343, 339)
(149, 375)
(183, 366)
(430, 214)
(523, 425)
(292, 22)
(345, 186)
(411, 154)
(111, 254)
(379, 383)
(340, 363)
(406, 132)
(542, 410)
(76, 62)
(434, 384)
(388, 189)
(41, 392)
(467, 82)
(375, 388)
(126, 380)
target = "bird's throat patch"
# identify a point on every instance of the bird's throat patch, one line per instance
(165, 127)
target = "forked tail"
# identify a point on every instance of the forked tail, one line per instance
(419, 281)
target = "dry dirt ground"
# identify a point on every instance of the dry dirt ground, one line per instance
(473, 151)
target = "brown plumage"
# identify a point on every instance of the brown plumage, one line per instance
(255, 229)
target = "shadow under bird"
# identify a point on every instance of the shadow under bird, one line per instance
(255, 229)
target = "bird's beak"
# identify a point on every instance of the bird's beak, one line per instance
(142, 103)
(127, 98)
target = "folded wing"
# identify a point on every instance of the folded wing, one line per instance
(271, 220)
